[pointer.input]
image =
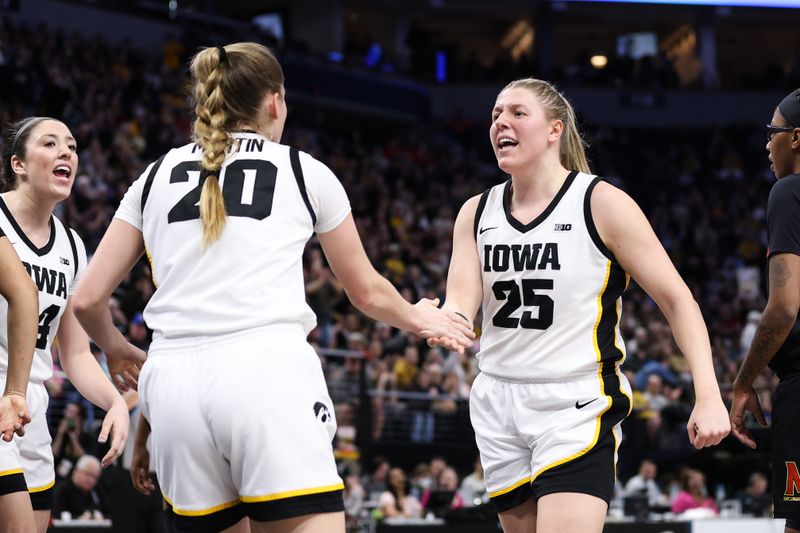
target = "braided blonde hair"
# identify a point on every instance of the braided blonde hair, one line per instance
(229, 86)
(572, 152)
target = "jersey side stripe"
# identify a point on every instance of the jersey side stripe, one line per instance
(148, 183)
(294, 156)
(72, 245)
(479, 211)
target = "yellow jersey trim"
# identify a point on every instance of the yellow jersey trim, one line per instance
(43, 487)
(292, 493)
(152, 270)
(201, 512)
(11, 472)
(600, 377)
(506, 490)
(254, 499)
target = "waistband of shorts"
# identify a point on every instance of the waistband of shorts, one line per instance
(552, 379)
(181, 343)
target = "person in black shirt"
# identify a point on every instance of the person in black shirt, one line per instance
(77, 495)
(777, 339)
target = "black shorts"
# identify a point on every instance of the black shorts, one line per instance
(786, 449)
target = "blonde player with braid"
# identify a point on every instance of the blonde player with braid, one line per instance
(547, 255)
(240, 414)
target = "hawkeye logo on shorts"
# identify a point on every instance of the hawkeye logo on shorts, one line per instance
(792, 492)
(321, 412)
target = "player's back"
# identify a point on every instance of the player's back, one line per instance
(252, 276)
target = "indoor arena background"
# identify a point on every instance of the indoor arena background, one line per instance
(395, 96)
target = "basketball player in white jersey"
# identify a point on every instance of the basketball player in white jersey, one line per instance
(22, 316)
(240, 414)
(39, 165)
(547, 256)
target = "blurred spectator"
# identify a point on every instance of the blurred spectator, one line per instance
(693, 494)
(76, 497)
(396, 501)
(72, 440)
(377, 481)
(644, 483)
(473, 486)
(444, 495)
(137, 332)
(755, 498)
(354, 497)
(749, 331)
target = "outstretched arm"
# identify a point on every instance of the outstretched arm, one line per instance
(464, 280)
(373, 295)
(627, 234)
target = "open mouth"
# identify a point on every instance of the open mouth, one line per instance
(62, 171)
(505, 144)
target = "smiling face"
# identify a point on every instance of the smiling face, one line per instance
(46, 169)
(521, 133)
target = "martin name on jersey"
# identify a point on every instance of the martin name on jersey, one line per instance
(551, 289)
(56, 269)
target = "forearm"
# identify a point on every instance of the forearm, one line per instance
(772, 331)
(142, 432)
(22, 333)
(463, 305)
(691, 336)
(85, 373)
(98, 323)
(379, 300)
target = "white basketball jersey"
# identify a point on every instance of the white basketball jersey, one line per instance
(56, 268)
(276, 198)
(551, 289)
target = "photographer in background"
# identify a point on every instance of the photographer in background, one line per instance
(71, 440)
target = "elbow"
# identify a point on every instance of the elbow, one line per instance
(783, 315)
(362, 297)
(678, 302)
(84, 303)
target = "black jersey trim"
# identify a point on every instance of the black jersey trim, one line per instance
(608, 352)
(44, 250)
(43, 500)
(72, 245)
(519, 226)
(294, 156)
(148, 182)
(479, 211)
(587, 216)
(12, 481)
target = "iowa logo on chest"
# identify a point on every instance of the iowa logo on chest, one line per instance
(48, 280)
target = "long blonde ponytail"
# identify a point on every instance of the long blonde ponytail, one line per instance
(229, 86)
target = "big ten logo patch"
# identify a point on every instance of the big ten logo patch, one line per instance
(792, 492)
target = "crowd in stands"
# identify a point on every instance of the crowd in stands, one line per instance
(704, 192)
